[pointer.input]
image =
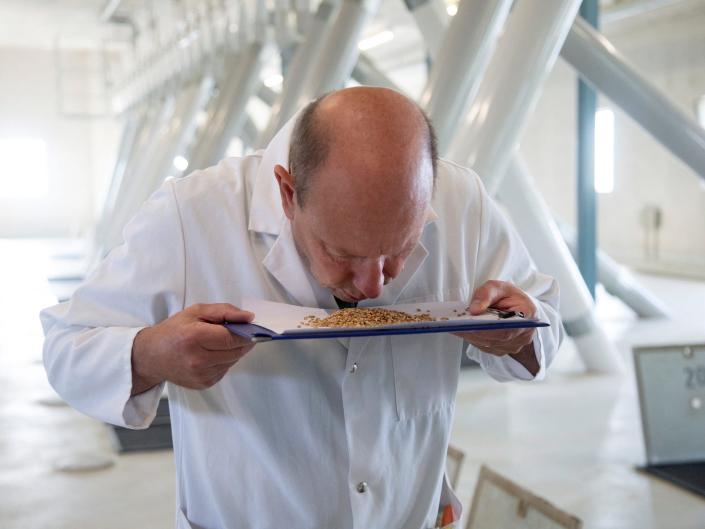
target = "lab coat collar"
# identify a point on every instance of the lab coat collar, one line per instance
(266, 212)
(283, 260)
(285, 264)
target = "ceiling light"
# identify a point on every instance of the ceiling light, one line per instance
(180, 163)
(273, 81)
(201, 118)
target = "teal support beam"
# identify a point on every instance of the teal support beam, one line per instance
(587, 200)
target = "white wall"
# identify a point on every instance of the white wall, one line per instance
(667, 47)
(79, 151)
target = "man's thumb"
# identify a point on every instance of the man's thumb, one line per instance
(478, 306)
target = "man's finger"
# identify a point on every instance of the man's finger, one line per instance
(486, 296)
(487, 336)
(220, 372)
(502, 337)
(217, 359)
(223, 356)
(215, 337)
(221, 312)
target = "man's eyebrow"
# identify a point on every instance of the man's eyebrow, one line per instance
(339, 252)
(342, 253)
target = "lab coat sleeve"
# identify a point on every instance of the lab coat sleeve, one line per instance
(503, 256)
(88, 340)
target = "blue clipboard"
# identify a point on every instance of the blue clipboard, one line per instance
(257, 333)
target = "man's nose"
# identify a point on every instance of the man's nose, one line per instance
(369, 277)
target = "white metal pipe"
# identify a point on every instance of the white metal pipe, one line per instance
(282, 17)
(181, 132)
(539, 232)
(226, 90)
(340, 49)
(459, 64)
(432, 19)
(127, 202)
(136, 121)
(250, 132)
(511, 86)
(300, 69)
(228, 120)
(161, 114)
(524, 57)
(620, 282)
(594, 58)
(178, 134)
(302, 9)
(267, 95)
(367, 73)
(165, 106)
(108, 10)
(228, 111)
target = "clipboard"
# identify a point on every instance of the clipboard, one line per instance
(280, 321)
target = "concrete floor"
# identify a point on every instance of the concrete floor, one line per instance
(574, 438)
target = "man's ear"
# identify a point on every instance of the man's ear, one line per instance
(286, 190)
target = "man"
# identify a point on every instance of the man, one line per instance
(348, 204)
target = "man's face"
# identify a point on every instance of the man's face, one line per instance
(357, 229)
(354, 259)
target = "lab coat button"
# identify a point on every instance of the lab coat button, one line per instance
(353, 368)
(362, 487)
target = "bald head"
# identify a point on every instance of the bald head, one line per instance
(379, 134)
(358, 188)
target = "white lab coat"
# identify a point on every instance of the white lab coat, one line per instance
(287, 436)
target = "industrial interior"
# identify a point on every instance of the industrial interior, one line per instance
(584, 120)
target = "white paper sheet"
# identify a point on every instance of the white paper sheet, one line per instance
(281, 317)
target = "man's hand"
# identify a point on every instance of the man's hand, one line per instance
(190, 349)
(515, 342)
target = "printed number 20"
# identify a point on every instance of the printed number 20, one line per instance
(694, 377)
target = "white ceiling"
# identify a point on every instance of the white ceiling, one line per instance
(38, 23)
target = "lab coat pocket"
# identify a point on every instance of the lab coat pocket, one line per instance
(449, 500)
(425, 373)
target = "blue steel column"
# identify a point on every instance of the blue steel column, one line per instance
(587, 201)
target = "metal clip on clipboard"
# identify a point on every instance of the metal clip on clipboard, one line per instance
(504, 314)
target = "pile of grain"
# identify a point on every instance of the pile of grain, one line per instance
(364, 318)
